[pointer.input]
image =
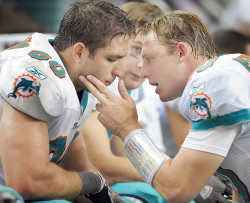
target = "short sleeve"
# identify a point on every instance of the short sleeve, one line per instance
(216, 141)
(224, 101)
(31, 90)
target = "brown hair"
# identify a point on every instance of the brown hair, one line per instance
(93, 23)
(141, 13)
(182, 26)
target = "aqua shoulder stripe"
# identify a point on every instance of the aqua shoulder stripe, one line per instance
(227, 119)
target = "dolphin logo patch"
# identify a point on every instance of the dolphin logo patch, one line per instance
(25, 86)
(201, 104)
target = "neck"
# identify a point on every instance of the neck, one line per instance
(198, 61)
(68, 62)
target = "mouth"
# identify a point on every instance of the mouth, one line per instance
(137, 76)
(154, 84)
(107, 83)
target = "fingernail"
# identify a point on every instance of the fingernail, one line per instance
(89, 77)
(81, 78)
(122, 82)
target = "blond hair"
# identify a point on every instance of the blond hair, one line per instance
(141, 13)
(182, 26)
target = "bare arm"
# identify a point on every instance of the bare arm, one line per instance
(24, 149)
(182, 178)
(113, 168)
(117, 146)
(77, 158)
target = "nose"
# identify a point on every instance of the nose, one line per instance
(144, 72)
(118, 70)
(140, 64)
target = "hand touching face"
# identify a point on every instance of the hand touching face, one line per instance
(117, 114)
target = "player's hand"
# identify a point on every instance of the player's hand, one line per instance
(214, 191)
(105, 194)
(117, 114)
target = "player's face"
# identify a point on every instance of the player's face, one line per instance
(106, 64)
(162, 69)
(133, 63)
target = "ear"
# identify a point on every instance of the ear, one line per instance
(80, 52)
(183, 51)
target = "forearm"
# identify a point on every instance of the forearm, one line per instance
(170, 186)
(119, 169)
(155, 168)
(49, 182)
(177, 180)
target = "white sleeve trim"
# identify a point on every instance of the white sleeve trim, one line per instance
(217, 140)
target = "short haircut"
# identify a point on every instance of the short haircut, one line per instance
(181, 26)
(93, 23)
(141, 13)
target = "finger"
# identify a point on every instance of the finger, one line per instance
(98, 106)
(123, 90)
(100, 86)
(92, 88)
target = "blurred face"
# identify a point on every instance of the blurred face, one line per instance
(106, 64)
(132, 64)
(162, 69)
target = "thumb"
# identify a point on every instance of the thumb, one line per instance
(123, 90)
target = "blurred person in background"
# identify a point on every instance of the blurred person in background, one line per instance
(229, 41)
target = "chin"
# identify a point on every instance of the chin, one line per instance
(132, 86)
(168, 98)
(163, 99)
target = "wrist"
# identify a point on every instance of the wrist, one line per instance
(129, 129)
(143, 154)
(91, 183)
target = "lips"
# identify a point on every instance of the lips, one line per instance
(136, 76)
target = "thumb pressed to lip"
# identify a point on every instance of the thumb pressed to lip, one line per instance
(123, 90)
(122, 82)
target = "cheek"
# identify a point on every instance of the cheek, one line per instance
(130, 61)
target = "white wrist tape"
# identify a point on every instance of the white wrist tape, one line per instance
(143, 154)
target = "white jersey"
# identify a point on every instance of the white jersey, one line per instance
(35, 81)
(216, 100)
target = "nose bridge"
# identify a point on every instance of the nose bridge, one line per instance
(140, 63)
(144, 73)
(118, 68)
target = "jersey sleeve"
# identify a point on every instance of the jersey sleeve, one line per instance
(224, 99)
(30, 89)
(216, 141)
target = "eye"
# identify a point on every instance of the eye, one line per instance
(147, 60)
(111, 59)
(137, 50)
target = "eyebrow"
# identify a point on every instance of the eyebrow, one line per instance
(138, 43)
(115, 56)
